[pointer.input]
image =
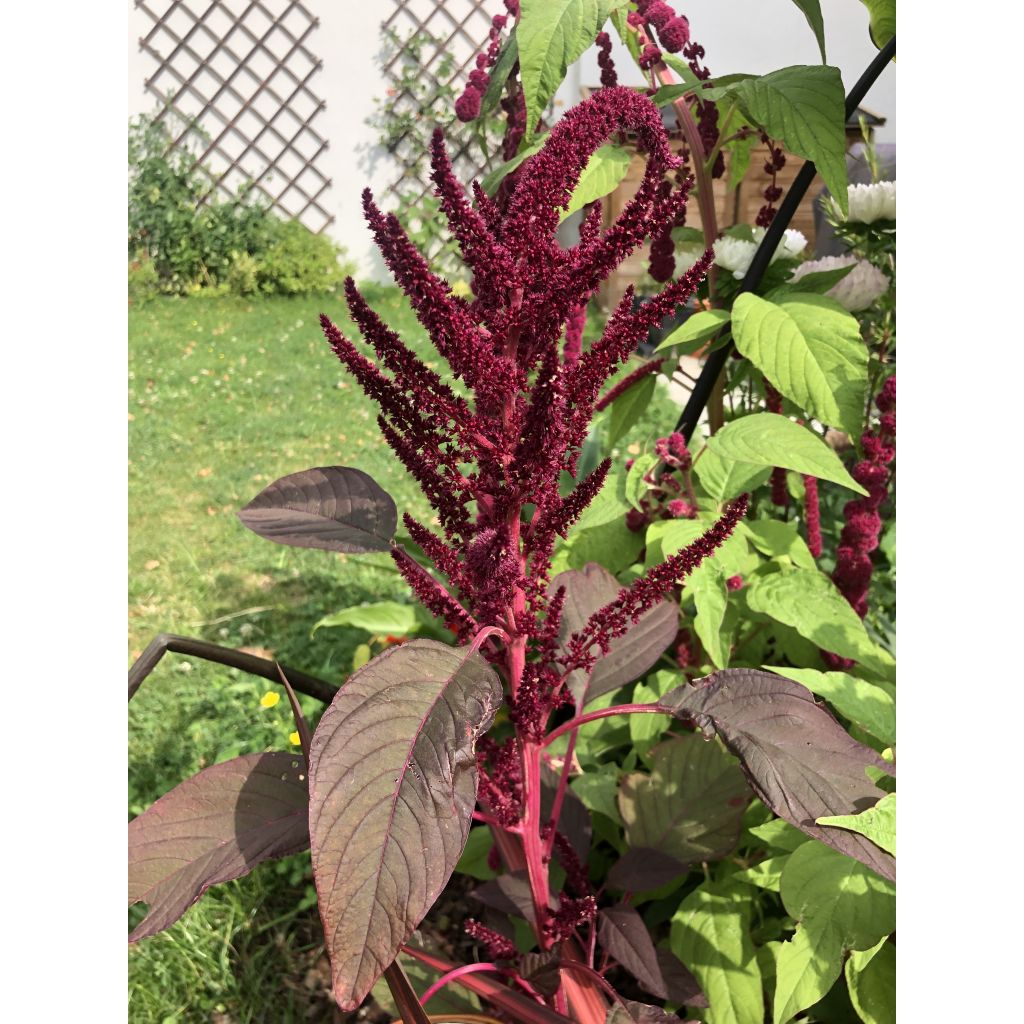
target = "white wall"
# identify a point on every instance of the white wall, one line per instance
(739, 35)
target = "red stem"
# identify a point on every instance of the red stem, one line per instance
(593, 716)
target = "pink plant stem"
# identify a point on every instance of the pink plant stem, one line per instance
(556, 805)
(593, 716)
(475, 969)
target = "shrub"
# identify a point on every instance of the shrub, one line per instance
(191, 240)
(297, 262)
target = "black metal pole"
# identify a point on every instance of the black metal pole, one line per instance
(716, 361)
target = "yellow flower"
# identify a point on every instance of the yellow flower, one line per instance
(269, 699)
(293, 739)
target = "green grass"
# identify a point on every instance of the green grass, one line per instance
(225, 396)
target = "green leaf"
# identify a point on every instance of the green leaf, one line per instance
(646, 730)
(598, 788)
(883, 20)
(499, 75)
(696, 330)
(473, 861)
(777, 539)
(691, 805)
(818, 282)
(812, 12)
(726, 478)
(552, 34)
(636, 486)
(605, 169)
(872, 706)
(878, 823)
(809, 601)
(768, 439)
(493, 179)
(627, 409)
(779, 835)
(837, 898)
(804, 972)
(710, 595)
(804, 106)
(766, 874)
(871, 981)
(711, 935)
(811, 349)
(384, 617)
(841, 904)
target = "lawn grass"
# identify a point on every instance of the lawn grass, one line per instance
(225, 396)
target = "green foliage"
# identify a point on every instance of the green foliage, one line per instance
(695, 330)
(766, 439)
(804, 107)
(183, 238)
(878, 823)
(552, 34)
(604, 172)
(882, 14)
(711, 935)
(809, 601)
(811, 350)
(811, 10)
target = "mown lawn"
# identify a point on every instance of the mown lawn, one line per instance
(225, 396)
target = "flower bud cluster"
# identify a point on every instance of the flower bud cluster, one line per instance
(669, 487)
(863, 524)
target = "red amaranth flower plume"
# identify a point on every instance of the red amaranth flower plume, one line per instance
(812, 515)
(486, 455)
(863, 524)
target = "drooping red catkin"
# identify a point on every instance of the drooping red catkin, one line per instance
(614, 619)
(604, 60)
(812, 515)
(863, 524)
(497, 946)
(646, 370)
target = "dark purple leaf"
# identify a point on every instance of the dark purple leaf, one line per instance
(631, 1012)
(799, 760)
(682, 986)
(574, 819)
(631, 655)
(691, 805)
(623, 934)
(393, 784)
(641, 868)
(336, 508)
(511, 894)
(541, 970)
(214, 827)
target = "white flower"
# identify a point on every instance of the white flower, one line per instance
(868, 203)
(855, 292)
(790, 245)
(734, 254)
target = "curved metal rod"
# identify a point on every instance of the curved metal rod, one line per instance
(265, 668)
(716, 361)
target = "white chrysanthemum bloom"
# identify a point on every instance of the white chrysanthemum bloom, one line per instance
(868, 203)
(855, 292)
(790, 246)
(734, 254)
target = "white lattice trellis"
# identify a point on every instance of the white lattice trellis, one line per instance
(241, 72)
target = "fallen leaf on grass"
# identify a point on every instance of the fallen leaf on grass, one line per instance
(153, 563)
